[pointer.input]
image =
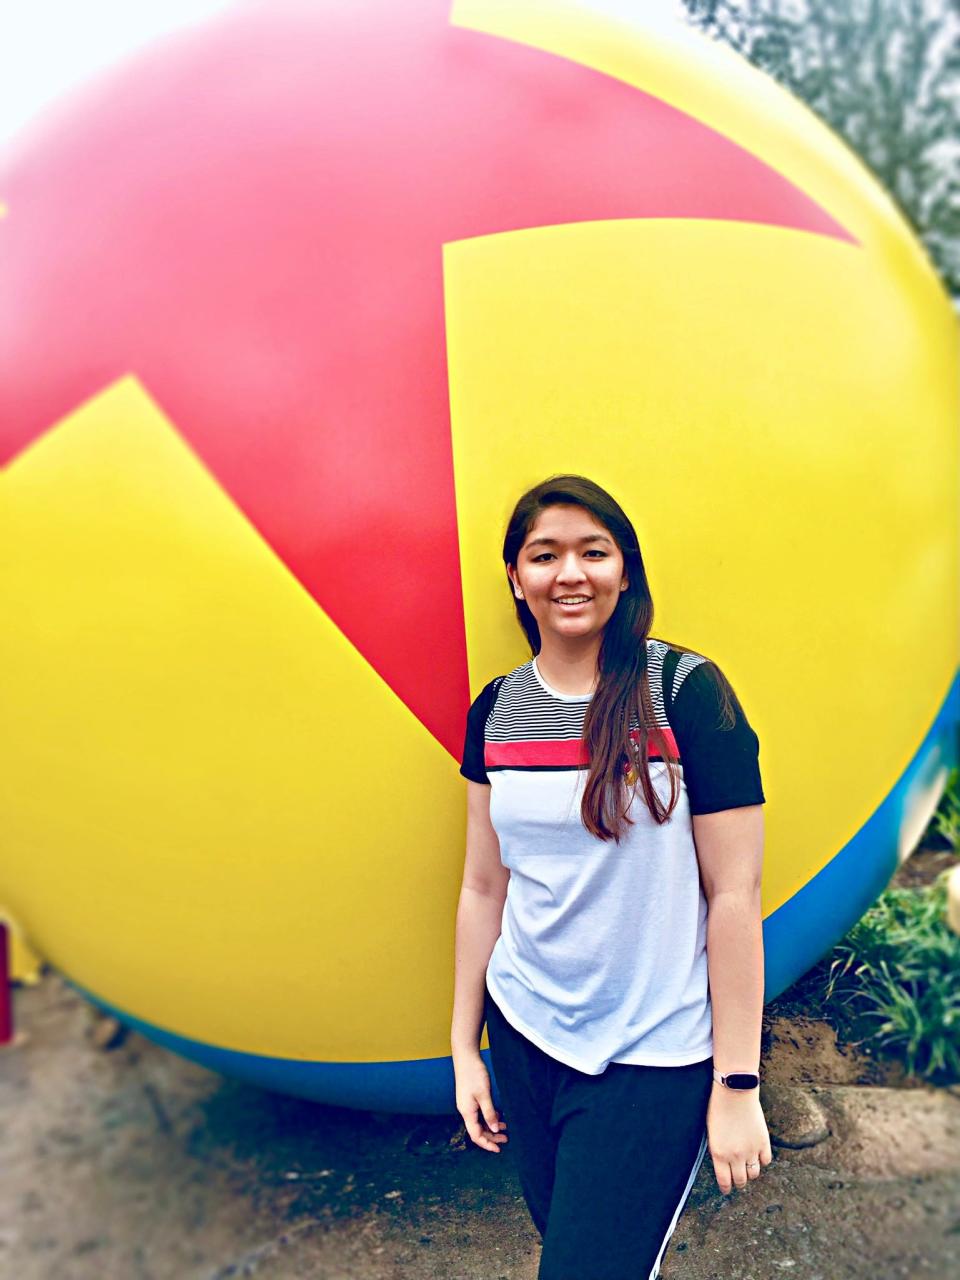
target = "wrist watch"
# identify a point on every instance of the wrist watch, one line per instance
(739, 1080)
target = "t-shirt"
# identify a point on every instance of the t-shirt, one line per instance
(602, 952)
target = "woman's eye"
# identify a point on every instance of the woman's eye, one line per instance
(544, 555)
(597, 552)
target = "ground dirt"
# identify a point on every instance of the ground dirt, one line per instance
(124, 1162)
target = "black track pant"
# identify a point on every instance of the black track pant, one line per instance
(605, 1162)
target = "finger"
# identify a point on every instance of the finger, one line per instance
(483, 1140)
(478, 1135)
(490, 1113)
(495, 1125)
(739, 1170)
(493, 1121)
(498, 1139)
(753, 1169)
(766, 1156)
(722, 1169)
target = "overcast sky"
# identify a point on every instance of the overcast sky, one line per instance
(48, 46)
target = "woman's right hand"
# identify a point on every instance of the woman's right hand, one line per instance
(475, 1103)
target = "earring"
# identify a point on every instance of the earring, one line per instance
(519, 593)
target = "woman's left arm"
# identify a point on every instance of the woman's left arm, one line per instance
(730, 853)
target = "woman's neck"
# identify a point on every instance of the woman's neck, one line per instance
(570, 669)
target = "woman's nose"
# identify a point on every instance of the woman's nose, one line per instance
(570, 569)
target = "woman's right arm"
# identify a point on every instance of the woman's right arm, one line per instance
(479, 914)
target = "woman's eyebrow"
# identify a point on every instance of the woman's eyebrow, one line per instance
(591, 537)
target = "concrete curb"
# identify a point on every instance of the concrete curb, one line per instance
(867, 1132)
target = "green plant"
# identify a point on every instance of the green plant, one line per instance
(896, 978)
(946, 821)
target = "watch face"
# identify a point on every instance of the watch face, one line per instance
(741, 1080)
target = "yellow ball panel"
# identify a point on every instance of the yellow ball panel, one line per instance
(222, 760)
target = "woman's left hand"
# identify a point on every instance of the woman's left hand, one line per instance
(737, 1137)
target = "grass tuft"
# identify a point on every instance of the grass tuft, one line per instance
(946, 821)
(891, 987)
(894, 981)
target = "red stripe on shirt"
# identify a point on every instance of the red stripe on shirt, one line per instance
(569, 752)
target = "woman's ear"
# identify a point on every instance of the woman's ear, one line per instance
(624, 583)
(512, 574)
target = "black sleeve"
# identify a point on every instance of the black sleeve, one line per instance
(720, 762)
(473, 766)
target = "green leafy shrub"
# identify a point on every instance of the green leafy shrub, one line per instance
(894, 981)
(946, 821)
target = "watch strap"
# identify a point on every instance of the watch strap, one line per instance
(737, 1080)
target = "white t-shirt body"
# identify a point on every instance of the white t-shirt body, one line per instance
(602, 955)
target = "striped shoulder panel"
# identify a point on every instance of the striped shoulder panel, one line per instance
(688, 662)
(656, 652)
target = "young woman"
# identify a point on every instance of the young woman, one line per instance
(614, 847)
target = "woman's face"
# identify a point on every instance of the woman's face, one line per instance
(570, 573)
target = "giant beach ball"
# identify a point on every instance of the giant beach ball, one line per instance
(296, 303)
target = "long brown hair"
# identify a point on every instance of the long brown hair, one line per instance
(623, 687)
